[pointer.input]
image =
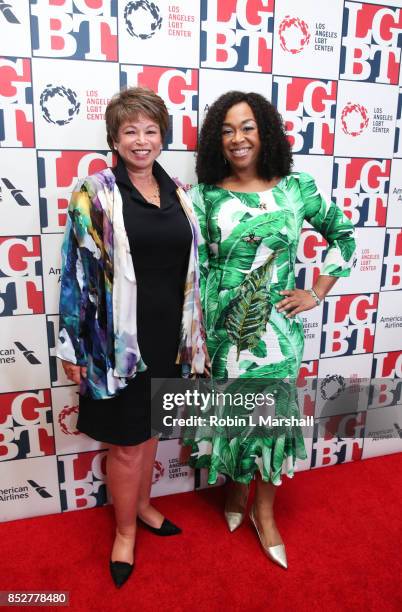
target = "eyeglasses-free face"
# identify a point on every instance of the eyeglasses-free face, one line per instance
(139, 142)
(240, 138)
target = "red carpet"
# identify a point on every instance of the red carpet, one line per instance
(341, 525)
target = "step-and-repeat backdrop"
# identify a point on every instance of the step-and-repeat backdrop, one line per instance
(333, 70)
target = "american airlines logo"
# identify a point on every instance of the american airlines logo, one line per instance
(16, 193)
(39, 489)
(7, 12)
(29, 355)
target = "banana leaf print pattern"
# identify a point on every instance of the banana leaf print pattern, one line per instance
(249, 311)
(247, 255)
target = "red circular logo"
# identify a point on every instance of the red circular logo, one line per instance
(354, 119)
(67, 420)
(294, 34)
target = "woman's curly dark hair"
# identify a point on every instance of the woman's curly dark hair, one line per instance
(275, 159)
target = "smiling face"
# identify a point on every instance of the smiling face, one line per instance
(240, 138)
(139, 142)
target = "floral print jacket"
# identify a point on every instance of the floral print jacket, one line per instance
(98, 292)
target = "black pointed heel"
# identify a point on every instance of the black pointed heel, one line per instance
(120, 572)
(166, 529)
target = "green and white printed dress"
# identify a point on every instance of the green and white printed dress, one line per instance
(247, 256)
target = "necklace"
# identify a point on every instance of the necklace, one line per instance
(151, 195)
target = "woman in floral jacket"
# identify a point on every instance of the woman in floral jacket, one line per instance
(129, 306)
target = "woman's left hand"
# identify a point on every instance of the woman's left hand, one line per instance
(296, 301)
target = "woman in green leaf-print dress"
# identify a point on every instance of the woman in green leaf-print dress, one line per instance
(251, 210)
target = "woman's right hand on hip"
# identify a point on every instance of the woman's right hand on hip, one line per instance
(74, 372)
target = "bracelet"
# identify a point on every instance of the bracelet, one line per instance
(315, 296)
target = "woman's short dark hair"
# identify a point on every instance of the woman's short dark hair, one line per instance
(275, 159)
(131, 102)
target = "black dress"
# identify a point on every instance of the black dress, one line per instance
(160, 242)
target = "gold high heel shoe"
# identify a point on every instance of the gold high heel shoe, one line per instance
(277, 553)
(235, 519)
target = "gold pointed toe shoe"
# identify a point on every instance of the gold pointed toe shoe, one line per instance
(277, 553)
(234, 519)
